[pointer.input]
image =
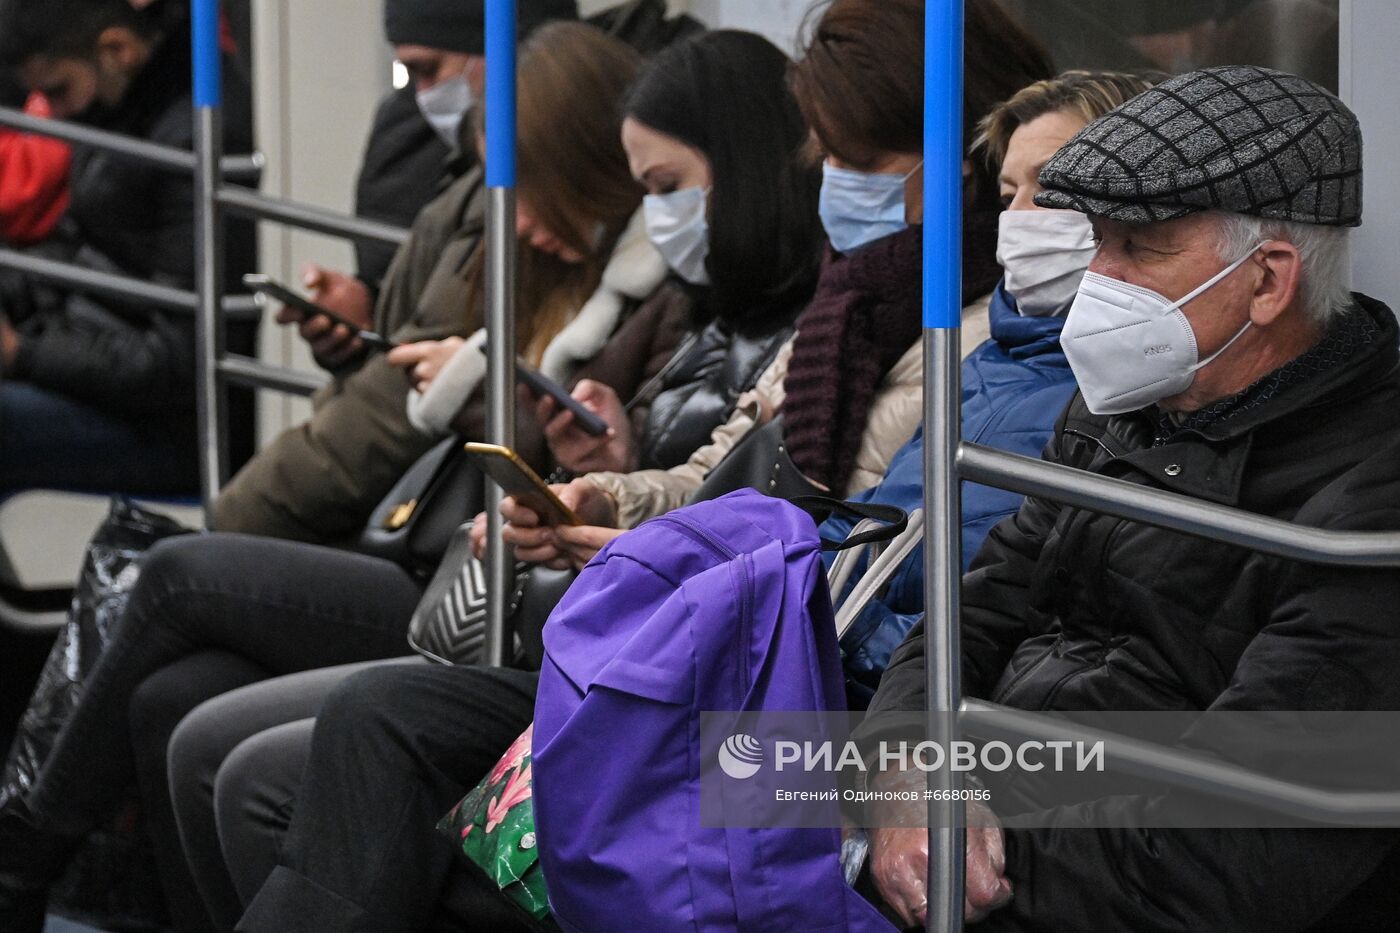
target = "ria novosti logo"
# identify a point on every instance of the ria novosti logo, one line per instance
(740, 756)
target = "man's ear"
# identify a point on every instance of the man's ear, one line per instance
(1281, 284)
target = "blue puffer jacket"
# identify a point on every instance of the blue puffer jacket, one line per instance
(1014, 386)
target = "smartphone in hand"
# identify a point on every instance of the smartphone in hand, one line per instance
(266, 285)
(514, 476)
(542, 385)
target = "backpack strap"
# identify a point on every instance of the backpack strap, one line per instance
(844, 567)
(880, 571)
(822, 507)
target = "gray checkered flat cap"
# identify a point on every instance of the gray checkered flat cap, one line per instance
(1237, 138)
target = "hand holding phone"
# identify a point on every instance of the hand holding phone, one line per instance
(579, 452)
(265, 285)
(520, 482)
(541, 385)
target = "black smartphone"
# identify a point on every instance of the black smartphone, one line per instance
(516, 478)
(265, 285)
(539, 384)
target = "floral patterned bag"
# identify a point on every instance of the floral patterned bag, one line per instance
(495, 827)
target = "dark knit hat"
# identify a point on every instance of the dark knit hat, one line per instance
(1238, 138)
(460, 25)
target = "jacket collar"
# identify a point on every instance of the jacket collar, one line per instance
(1214, 470)
(1019, 336)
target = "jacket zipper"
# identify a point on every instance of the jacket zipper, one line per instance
(1088, 437)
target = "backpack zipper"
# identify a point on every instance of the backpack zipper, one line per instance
(701, 535)
(719, 547)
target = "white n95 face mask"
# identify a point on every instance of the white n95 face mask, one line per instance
(678, 228)
(1130, 346)
(1044, 255)
(444, 105)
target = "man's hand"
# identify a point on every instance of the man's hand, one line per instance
(576, 450)
(334, 345)
(9, 342)
(424, 360)
(535, 543)
(899, 857)
(986, 886)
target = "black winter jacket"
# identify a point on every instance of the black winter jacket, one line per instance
(405, 166)
(1064, 609)
(700, 388)
(137, 220)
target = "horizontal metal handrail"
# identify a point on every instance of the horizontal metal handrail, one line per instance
(1188, 770)
(247, 371)
(111, 285)
(1175, 511)
(242, 167)
(250, 203)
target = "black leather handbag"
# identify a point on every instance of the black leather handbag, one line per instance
(759, 461)
(414, 524)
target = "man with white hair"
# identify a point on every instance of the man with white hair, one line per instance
(1220, 355)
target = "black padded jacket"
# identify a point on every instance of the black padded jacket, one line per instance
(1066, 609)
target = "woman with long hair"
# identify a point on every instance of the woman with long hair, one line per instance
(211, 613)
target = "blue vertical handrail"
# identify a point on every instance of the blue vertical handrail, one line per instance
(500, 93)
(943, 163)
(500, 303)
(204, 39)
(208, 247)
(942, 295)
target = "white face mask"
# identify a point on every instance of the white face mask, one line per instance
(1044, 255)
(677, 227)
(1130, 346)
(444, 105)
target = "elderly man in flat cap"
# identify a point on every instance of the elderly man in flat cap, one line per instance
(1220, 355)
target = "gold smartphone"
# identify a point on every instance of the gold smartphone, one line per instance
(514, 476)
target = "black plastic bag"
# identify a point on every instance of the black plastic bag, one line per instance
(111, 877)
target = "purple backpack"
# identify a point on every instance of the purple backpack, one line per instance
(719, 606)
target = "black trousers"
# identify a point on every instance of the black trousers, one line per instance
(235, 766)
(394, 748)
(210, 613)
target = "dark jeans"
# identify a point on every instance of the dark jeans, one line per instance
(50, 441)
(210, 613)
(235, 765)
(394, 748)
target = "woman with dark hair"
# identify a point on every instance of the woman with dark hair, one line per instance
(394, 747)
(679, 140)
(710, 132)
(211, 613)
(849, 384)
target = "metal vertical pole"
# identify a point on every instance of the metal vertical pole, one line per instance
(208, 248)
(943, 178)
(500, 304)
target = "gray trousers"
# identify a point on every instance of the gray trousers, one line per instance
(329, 824)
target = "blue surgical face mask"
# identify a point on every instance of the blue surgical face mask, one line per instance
(858, 208)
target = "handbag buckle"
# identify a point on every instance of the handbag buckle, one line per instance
(400, 515)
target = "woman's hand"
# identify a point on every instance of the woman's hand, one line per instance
(556, 547)
(424, 360)
(576, 450)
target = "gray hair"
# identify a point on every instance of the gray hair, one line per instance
(1326, 252)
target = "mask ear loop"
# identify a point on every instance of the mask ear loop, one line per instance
(1215, 279)
(1202, 290)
